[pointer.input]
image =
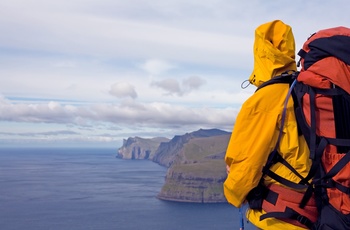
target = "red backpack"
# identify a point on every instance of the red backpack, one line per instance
(321, 95)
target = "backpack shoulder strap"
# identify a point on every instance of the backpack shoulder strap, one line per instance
(285, 78)
(274, 156)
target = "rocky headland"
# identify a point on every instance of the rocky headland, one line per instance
(196, 170)
(137, 148)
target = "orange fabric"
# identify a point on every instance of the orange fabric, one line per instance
(326, 71)
(291, 199)
(323, 74)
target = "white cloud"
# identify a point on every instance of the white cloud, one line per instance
(170, 85)
(47, 133)
(173, 87)
(123, 89)
(193, 82)
(128, 112)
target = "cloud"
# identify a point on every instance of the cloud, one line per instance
(49, 133)
(123, 89)
(170, 85)
(193, 82)
(174, 87)
(129, 112)
(165, 115)
(51, 112)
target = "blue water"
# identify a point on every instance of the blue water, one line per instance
(60, 189)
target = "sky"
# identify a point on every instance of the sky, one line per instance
(95, 72)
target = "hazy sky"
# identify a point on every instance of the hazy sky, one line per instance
(93, 72)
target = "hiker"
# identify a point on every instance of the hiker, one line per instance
(262, 128)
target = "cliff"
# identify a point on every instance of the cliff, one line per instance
(172, 151)
(196, 169)
(137, 148)
(199, 176)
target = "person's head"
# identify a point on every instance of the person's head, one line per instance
(274, 51)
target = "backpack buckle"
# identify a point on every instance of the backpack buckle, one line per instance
(329, 183)
(304, 220)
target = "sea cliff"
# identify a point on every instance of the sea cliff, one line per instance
(137, 148)
(196, 169)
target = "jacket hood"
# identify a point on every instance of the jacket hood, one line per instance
(274, 51)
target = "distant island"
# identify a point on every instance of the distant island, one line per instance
(196, 169)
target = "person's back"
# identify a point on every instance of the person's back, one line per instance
(256, 134)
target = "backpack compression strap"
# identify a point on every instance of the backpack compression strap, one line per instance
(317, 144)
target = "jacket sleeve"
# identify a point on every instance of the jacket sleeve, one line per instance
(254, 136)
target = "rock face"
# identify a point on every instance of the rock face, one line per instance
(172, 151)
(196, 169)
(137, 148)
(199, 175)
(191, 187)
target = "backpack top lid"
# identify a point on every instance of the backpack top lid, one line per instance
(326, 59)
(274, 51)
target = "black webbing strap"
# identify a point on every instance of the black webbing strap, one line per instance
(287, 77)
(280, 159)
(302, 53)
(330, 91)
(313, 134)
(285, 182)
(289, 214)
(330, 183)
(298, 93)
(339, 142)
(338, 166)
(316, 164)
(272, 155)
(300, 90)
(327, 180)
(275, 157)
(342, 188)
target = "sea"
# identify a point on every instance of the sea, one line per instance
(89, 188)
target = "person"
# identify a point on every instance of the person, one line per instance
(256, 132)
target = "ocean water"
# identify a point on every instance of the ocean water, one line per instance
(62, 189)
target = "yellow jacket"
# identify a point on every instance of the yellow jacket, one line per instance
(258, 123)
